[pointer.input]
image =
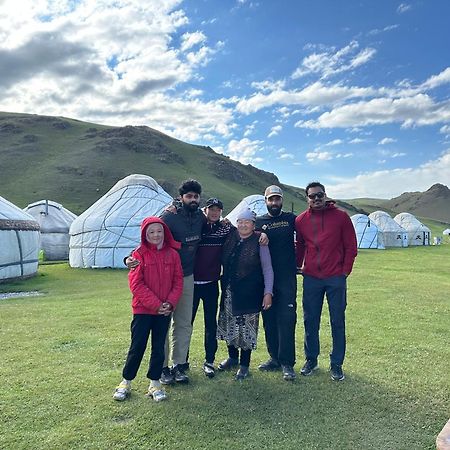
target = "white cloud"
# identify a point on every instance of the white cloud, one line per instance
(189, 40)
(316, 94)
(391, 183)
(445, 130)
(376, 31)
(417, 110)
(275, 130)
(286, 156)
(357, 141)
(244, 150)
(386, 141)
(334, 142)
(332, 62)
(437, 80)
(403, 7)
(317, 156)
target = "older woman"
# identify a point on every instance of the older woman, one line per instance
(247, 283)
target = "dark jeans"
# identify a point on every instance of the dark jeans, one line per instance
(209, 293)
(141, 325)
(314, 290)
(280, 320)
(244, 360)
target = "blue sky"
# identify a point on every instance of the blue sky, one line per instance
(352, 93)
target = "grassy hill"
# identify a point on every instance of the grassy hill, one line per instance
(75, 163)
(433, 204)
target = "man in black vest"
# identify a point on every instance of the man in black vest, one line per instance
(280, 320)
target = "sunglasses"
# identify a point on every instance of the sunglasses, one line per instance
(316, 195)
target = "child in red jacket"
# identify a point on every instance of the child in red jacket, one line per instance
(156, 284)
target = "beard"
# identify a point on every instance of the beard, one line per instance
(274, 210)
(192, 207)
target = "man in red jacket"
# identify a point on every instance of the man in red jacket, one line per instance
(326, 250)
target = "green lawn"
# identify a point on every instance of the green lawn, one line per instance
(62, 355)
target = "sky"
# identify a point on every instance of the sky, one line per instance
(354, 94)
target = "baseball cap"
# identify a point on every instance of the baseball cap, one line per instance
(273, 190)
(214, 202)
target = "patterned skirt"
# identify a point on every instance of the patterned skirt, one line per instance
(237, 331)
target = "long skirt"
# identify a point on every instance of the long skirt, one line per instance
(237, 331)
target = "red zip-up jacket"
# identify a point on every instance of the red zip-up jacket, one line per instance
(159, 277)
(326, 242)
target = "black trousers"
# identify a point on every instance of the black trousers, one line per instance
(280, 320)
(209, 293)
(244, 360)
(141, 325)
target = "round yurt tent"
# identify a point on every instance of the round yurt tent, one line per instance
(392, 234)
(367, 233)
(109, 230)
(54, 221)
(418, 233)
(446, 232)
(254, 202)
(19, 242)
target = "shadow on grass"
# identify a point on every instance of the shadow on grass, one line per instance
(267, 412)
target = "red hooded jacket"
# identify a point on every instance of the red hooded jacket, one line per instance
(159, 277)
(326, 242)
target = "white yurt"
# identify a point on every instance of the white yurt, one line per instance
(19, 242)
(392, 234)
(418, 233)
(254, 202)
(54, 221)
(446, 232)
(104, 234)
(367, 233)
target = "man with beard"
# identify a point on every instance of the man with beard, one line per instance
(326, 250)
(186, 227)
(280, 320)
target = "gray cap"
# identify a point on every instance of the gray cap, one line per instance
(273, 190)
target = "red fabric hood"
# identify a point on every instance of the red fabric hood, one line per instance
(168, 238)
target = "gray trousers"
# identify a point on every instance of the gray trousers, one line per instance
(181, 325)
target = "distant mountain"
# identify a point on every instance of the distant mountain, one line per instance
(433, 203)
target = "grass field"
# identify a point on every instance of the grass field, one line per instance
(62, 355)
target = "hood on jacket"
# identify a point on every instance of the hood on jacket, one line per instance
(168, 238)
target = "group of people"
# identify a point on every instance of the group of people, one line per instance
(187, 252)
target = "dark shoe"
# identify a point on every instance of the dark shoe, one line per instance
(288, 373)
(269, 365)
(228, 364)
(242, 373)
(166, 376)
(179, 375)
(309, 367)
(185, 366)
(336, 372)
(209, 369)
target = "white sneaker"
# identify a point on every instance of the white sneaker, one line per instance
(122, 392)
(157, 393)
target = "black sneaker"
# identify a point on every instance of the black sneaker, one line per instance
(209, 370)
(269, 365)
(167, 376)
(242, 373)
(228, 364)
(288, 373)
(309, 367)
(179, 375)
(336, 372)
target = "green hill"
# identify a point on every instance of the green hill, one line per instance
(75, 163)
